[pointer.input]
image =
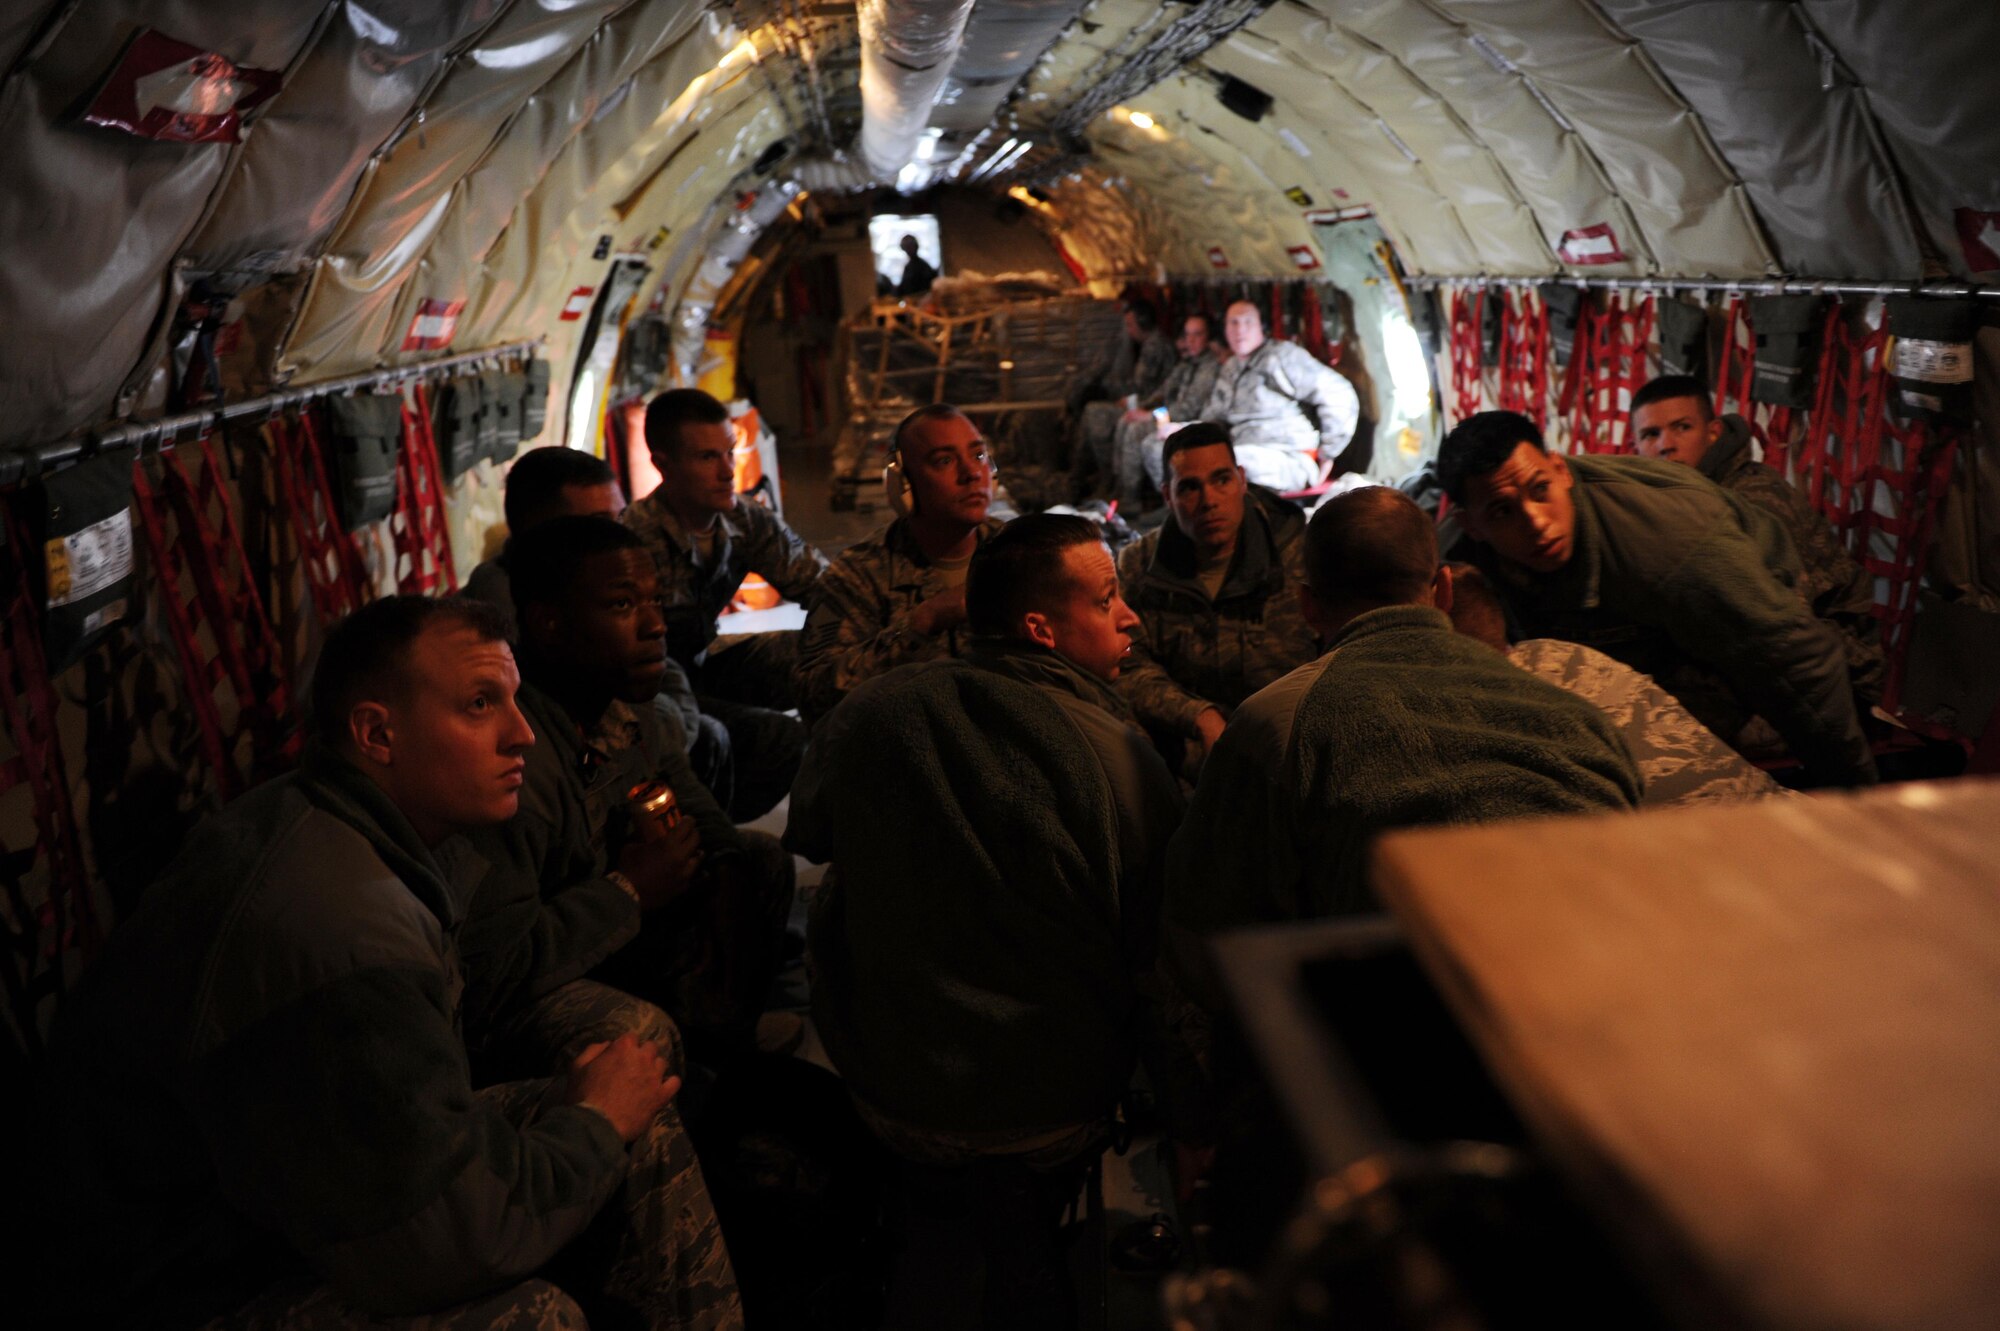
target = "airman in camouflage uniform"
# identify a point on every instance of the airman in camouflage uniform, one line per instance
(574, 823)
(1672, 420)
(1201, 649)
(861, 626)
(1137, 450)
(704, 541)
(1263, 394)
(1137, 366)
(556, 905)
(1831, 580)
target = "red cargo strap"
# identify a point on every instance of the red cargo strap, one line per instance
(334, 567)
(37, 932)
(1312, 336)
(1880, 482)
(1608, 365)
(420, 524)
(198, 548)
(1467, 390)
(1524, 356)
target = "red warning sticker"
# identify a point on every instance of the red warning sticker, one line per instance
(436, 321)
(168, 90)
(577, 305)
(1979, 237)
(1216, 258)
(1591, 244)
(1303, 256)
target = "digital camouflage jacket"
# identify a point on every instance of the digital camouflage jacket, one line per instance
(859, 626)
(752, 539)
(1191, 652)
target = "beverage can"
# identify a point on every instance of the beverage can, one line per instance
(653, 808)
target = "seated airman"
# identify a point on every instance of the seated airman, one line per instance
(899, 595)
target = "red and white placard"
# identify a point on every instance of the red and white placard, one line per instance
(1590, 245)
(1216, 258)
(434, 325)
(1303, 256)
(577, 305)
(168, 90)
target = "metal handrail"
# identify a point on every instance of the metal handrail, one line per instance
(26, 463)
(1775, 286)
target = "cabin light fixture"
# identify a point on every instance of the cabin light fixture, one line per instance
(1142, 120)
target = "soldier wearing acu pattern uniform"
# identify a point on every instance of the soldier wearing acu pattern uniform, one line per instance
(899, 596)
(1672, 420)
(1216, 591)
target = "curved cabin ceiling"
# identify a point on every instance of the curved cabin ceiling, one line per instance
(461, 160)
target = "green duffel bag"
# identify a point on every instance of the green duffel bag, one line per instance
(502, 431)
(1788, 337)
(367, 442)
(460, 407)
(535, 399)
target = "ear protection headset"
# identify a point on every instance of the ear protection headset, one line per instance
(896, 486)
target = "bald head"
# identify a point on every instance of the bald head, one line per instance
(1367, 549)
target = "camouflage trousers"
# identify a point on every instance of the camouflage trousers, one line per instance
(1277, 467)
(1136, 460)
(1092, 457)
(655, 1254)
(532, 1305)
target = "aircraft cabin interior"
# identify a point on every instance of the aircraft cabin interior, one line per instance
(1000, 664)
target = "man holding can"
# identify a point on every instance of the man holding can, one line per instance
(613, 827)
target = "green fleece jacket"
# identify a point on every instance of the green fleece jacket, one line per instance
(265, 1066)
(1832, 582)
(1668, 572)
(1403, 723)
(996, 827)
(545, 913)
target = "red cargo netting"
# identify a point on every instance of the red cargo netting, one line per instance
(420, 525)
(41, 923)
(1608, 366)
(1524, 356)
(334, 568)
(1467, 390)
(1772, 426)
(212, 605)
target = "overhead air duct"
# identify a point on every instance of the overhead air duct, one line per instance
(907, 49)
(1002, 41)
(749, 212)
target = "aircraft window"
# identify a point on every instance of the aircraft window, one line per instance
(885, 237)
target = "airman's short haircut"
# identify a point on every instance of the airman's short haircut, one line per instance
(1143, 314)
(539, 476)
(1480, 445)
(367, 654)
(1372, 545)
(671, 411)
(1019, 569)
(542, 563)
(1670, 386)
(936, 411)
(1200, 434)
